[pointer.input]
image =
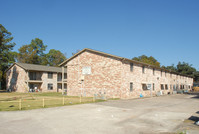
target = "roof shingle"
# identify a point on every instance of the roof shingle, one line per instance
(34, 67)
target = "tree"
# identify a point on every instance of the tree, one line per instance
(148, 60)
(185, 68)
(196, 76)
(53, 58)
(6, 55)
(172, 68)
(32, 53)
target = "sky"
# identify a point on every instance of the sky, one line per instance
(165, 29)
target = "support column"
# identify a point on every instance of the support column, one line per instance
(27, 73)
(62, 80)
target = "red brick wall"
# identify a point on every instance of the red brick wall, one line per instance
(105, 75)
(113, 77)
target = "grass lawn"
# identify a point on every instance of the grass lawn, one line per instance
(26, 101)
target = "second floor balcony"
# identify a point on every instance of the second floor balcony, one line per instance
(35, 76)
(59, 77)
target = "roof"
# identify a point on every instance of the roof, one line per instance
(34, 67)
(119, 58)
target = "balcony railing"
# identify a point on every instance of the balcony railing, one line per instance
(39, 79)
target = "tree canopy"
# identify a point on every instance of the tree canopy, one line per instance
(172, 68)
(32, 53)
(53, 58)
(6, 55)
(185, 68)
(149, 60)
(181, 67)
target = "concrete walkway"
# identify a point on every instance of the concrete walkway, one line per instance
(146, 116)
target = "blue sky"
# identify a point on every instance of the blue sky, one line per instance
(165, 29)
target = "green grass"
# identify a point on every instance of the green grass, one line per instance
(11, 101)
(114, 98)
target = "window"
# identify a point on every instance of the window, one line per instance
(50, 75)
(50, 86)
(59, 86)
(144, 87)
(153, 71)
(171, 87)
(65, 75)
(162, 87)
(131, 86)
(153, 86)
(65, 86)
(131, 67)
(143, 69)
(59, 76)
(166, 86)
(161, 72)
(32, 75)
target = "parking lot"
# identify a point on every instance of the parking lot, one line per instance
(165, 114)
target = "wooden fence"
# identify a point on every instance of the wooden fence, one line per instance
(42, 102)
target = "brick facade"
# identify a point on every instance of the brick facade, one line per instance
(112, 76)
(18, 80)
(15, 79)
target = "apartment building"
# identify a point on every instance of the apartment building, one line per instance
(22, 77)
(92, 72)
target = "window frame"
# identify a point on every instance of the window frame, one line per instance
(65, 76)
(50, 75)
(131, 67)
(162, 86)
(143, 69)
(153, 86)
(166, 87)
(131, 86)
(153, 71)
(33, 75)
(144, 87)
(50, 86)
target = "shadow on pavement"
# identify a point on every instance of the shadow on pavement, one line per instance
(196, 95)
(194, 118)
